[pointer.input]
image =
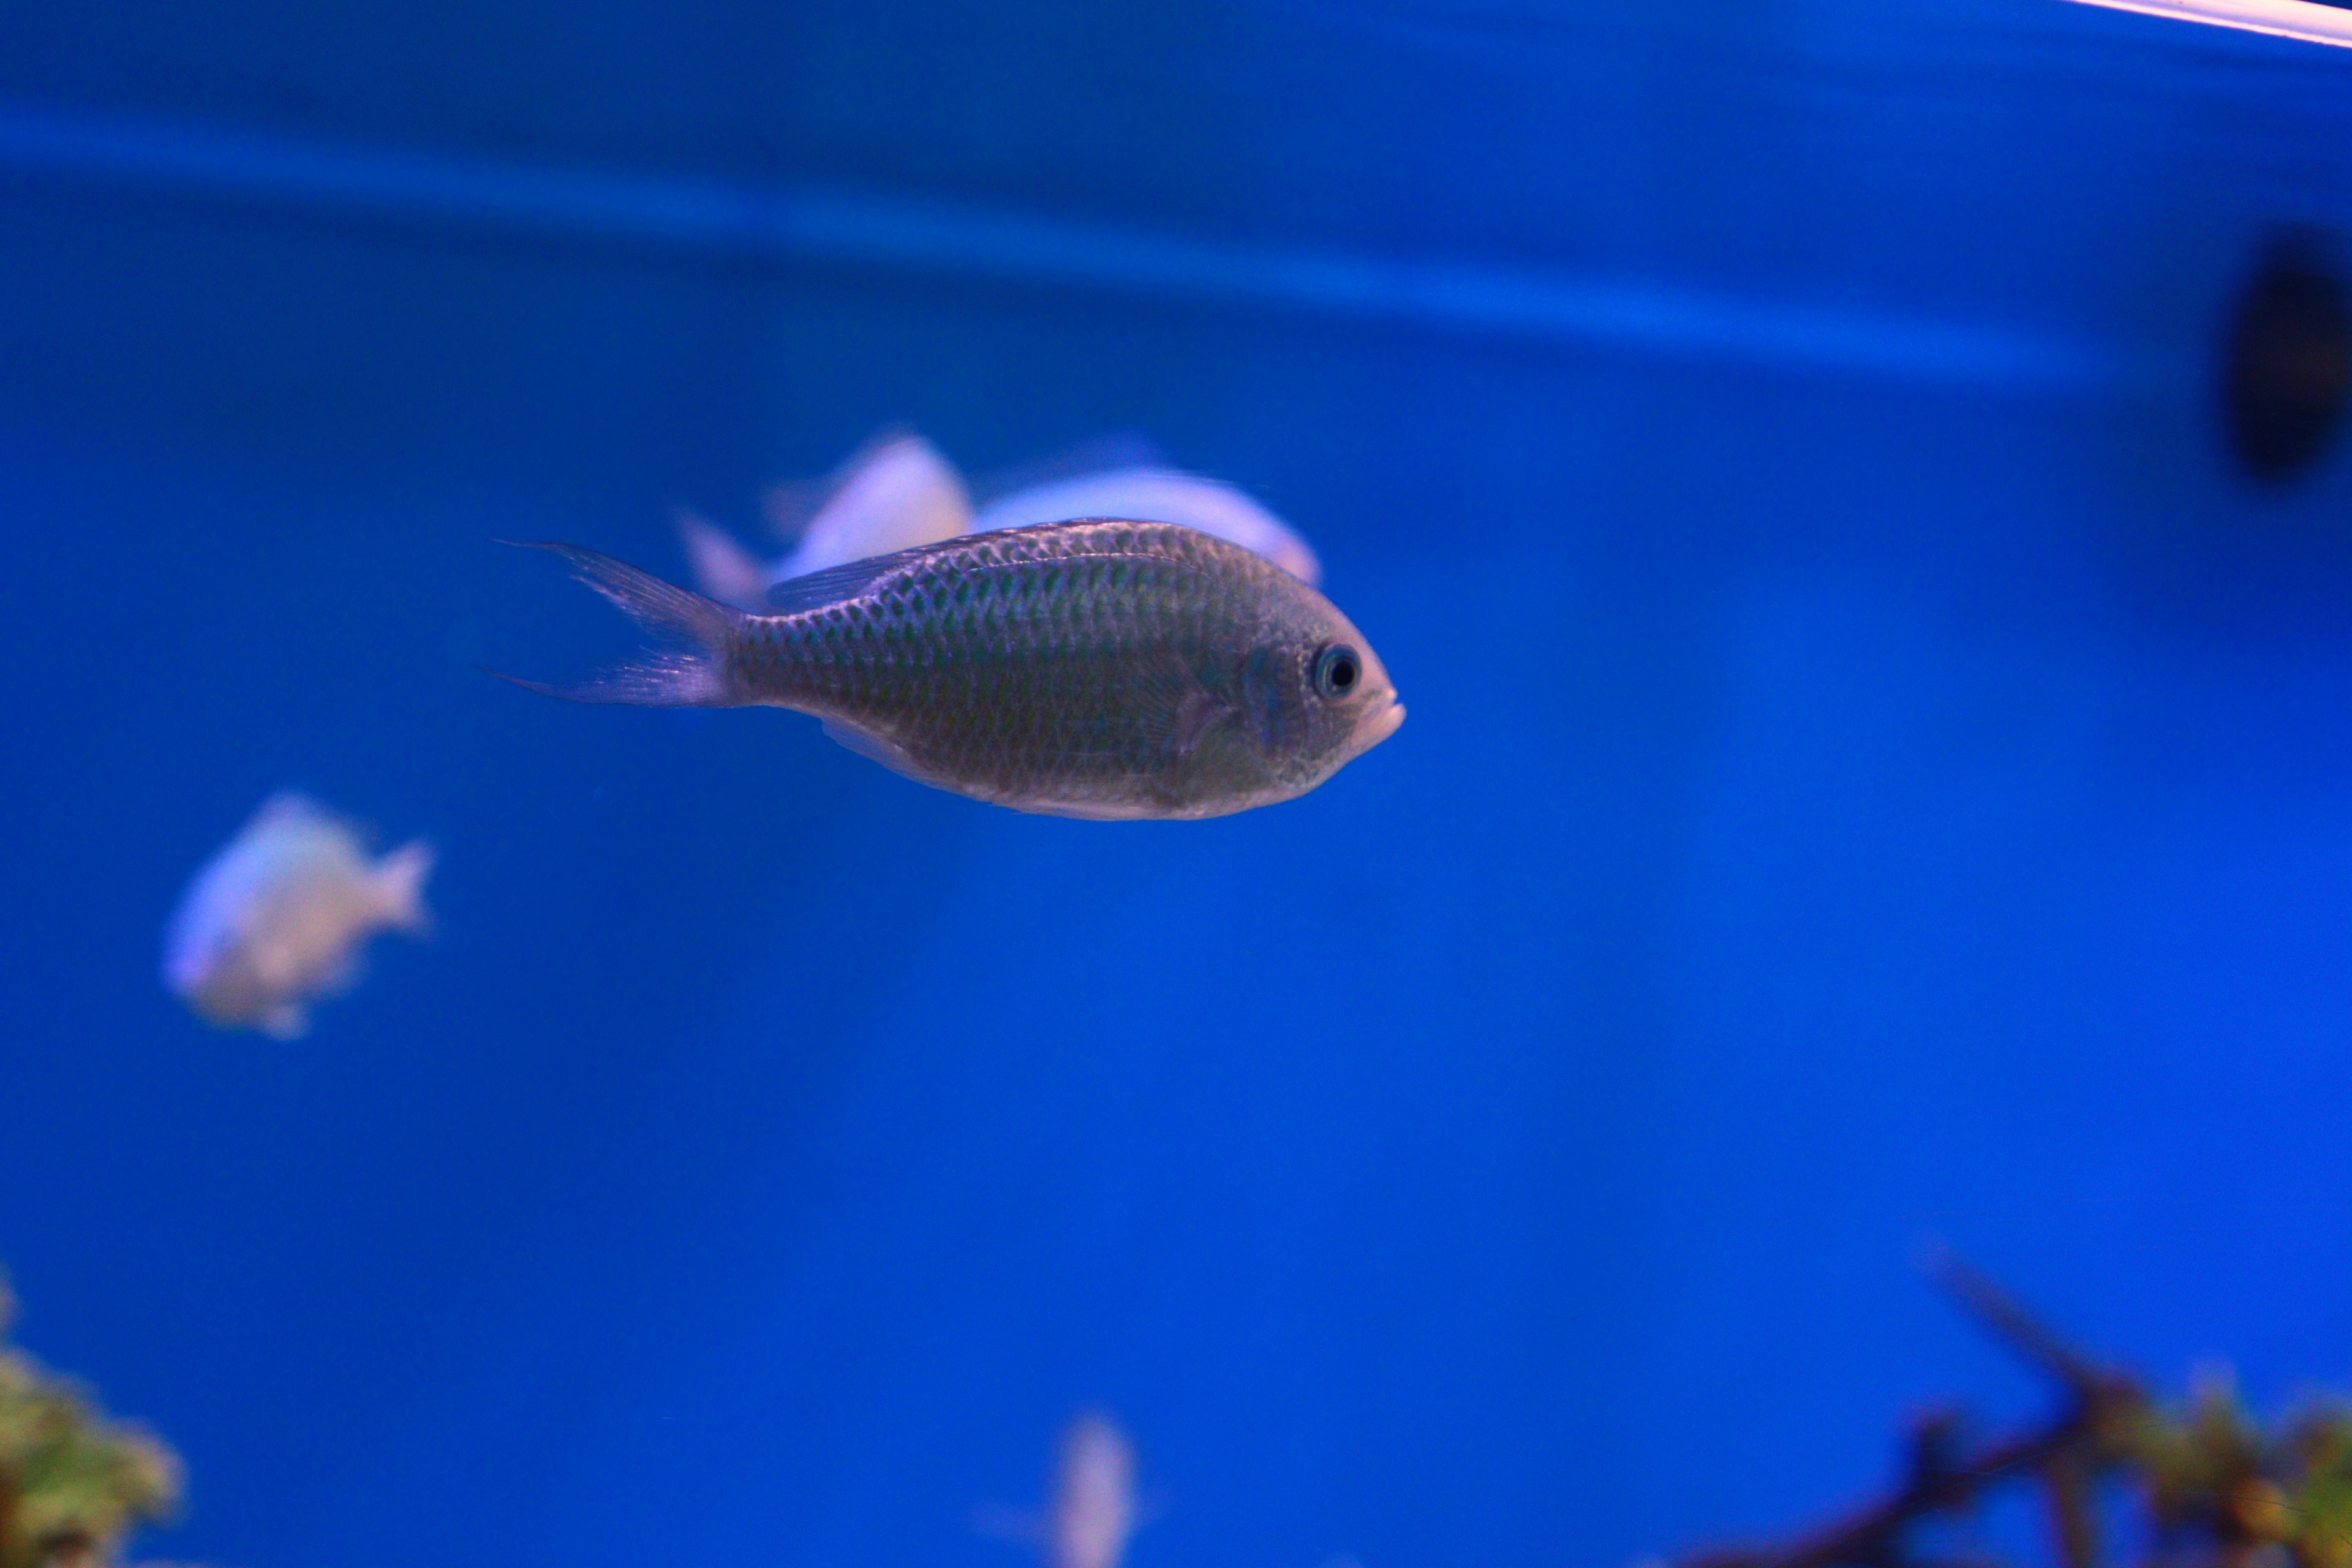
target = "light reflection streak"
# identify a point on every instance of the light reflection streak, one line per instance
(2302, 19)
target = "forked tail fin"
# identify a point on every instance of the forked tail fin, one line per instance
(691, 673)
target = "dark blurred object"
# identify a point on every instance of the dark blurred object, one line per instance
(2212, 1485)
(72, 1483)
(2289, 361)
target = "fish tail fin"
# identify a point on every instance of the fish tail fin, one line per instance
(722, 569)
(690, 674)
(400, 883)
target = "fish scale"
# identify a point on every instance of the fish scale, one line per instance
(1097, 667)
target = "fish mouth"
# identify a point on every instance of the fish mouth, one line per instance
(1378, 727)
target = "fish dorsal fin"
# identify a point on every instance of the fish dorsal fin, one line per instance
(835, 584)
(832, 585)
(289, 805)
(1037, 541)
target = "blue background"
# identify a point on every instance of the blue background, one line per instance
(1874, 772)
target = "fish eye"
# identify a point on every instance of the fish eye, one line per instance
(1337, 668)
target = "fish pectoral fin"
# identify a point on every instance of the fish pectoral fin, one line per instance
(1199, 713)
(877, 748)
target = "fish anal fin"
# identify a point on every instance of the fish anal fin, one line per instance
(879, 749)
(346, 973)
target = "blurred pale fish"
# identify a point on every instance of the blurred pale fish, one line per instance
(896, 492)
(1096, 455)
(720, 567)
(278, 918)
(1102, 669)
(1094, 1511)
(1160, 495)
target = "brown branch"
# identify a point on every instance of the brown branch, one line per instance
(2074, 1523)
(2061, 1450)
(1870, 1536)
(2025, 1334)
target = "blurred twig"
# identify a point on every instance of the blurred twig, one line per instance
(2214, 1489)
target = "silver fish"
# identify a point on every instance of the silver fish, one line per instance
(278, 918)
(1100, 668)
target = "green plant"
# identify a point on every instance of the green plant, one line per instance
(73, 1484)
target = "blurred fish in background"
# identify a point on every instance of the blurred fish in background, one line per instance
(899, 490)
(1094, 1511)
(895, 492)
(281, 917)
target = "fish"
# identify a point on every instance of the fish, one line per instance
(899, 491)
(896, 492)
(1094, 1509)
(1100, 668)
(1157, 494)
(280, 918)
(1094, 1513)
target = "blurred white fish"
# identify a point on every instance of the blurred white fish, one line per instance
(1094, 1495)
(899, 491)
(1094, 1511)
(1159, 495)
(896, 492)
(279, 917)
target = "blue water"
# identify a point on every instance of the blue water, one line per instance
(1875, 770)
